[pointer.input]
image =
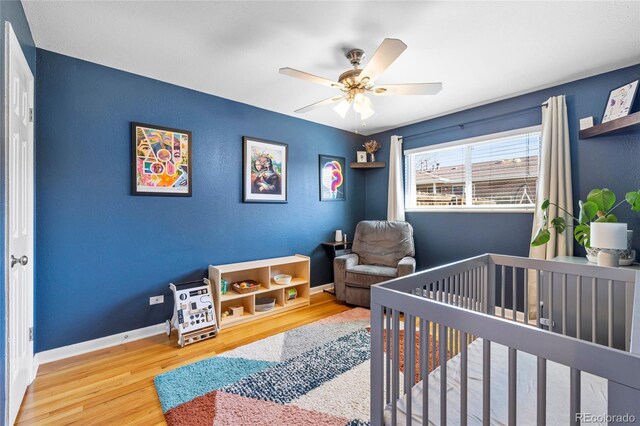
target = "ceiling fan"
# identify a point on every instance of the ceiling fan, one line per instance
(357, 82)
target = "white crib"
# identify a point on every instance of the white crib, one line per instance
(502, 368)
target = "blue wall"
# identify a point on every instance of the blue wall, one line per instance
(609, 161)
(10, 11)
(102, 252)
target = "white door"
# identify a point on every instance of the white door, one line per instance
(19, 222)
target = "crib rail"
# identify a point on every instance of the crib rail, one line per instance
(459, 302)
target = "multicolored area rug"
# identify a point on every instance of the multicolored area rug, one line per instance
(316, 374)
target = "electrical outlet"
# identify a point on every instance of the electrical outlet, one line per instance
(154, 300)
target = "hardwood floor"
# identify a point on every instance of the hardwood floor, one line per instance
(114, 386)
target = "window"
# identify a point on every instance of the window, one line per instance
(489, 173)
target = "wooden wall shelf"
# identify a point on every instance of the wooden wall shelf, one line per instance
(369, 165)
(623, 124)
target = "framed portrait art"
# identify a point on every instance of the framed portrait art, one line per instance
(161, 161)
(264, 171)
(332, 178)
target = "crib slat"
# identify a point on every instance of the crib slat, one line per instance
(443, 374)
(376, 373)
(478, 298)
(463, 381)
(504, 269)
(409, 367)
(564, 304)
(433, 344)
(513, 359)
(514, 293)
(610, 312)
(541, 417)
(486, 382)
(421, 344)
(594, 301)
(456, 285)
(578, 306)
(388, 360)
(550, 284)
(540, 279)
(627, 316)
(574, 397)
(526, 295)
(396, 367)
(472, 290)
(424, 370)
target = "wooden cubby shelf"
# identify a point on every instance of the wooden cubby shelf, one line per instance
(262, 271)
(369, 165)
(623, 124)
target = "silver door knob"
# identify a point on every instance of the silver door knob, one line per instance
(23, 260)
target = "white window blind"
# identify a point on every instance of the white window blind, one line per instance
(492, 172)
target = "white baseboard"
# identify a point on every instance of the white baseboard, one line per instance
(321, 288)
(115, 339)
(96, 344)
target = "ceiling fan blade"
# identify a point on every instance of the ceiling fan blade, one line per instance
(309, 77)
(407, 89)
(320, 104)
(385, 54)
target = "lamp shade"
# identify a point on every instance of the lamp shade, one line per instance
(609, 235)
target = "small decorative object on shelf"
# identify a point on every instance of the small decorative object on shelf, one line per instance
(236, 311)
(586, 123)
(371, 146)
(282, 279)
(338, 236)
(361, 156)
(264, 304)
(224, 285)
(246, 286)
(292, 293)
(620, 101)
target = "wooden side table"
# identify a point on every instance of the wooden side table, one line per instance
(335, 249)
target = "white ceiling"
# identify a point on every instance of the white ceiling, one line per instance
(480, 51)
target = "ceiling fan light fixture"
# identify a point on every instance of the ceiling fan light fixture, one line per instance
(366, 112)
(342, 107)
(357, 82)
(363, 105)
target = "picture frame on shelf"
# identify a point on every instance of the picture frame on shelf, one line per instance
(361, 156)
(332, 174)
(264, 171)
(161, 161)
(620, 101)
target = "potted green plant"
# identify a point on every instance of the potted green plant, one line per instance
(598, 208)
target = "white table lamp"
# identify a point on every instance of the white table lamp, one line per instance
(608, 237)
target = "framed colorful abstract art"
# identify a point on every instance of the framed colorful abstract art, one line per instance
(332, 178)
(161, 161)
(264, 171)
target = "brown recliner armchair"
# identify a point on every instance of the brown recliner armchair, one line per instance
(381, 250)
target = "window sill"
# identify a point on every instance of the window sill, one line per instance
(529, 210)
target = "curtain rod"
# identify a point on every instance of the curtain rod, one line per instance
(461, 125)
